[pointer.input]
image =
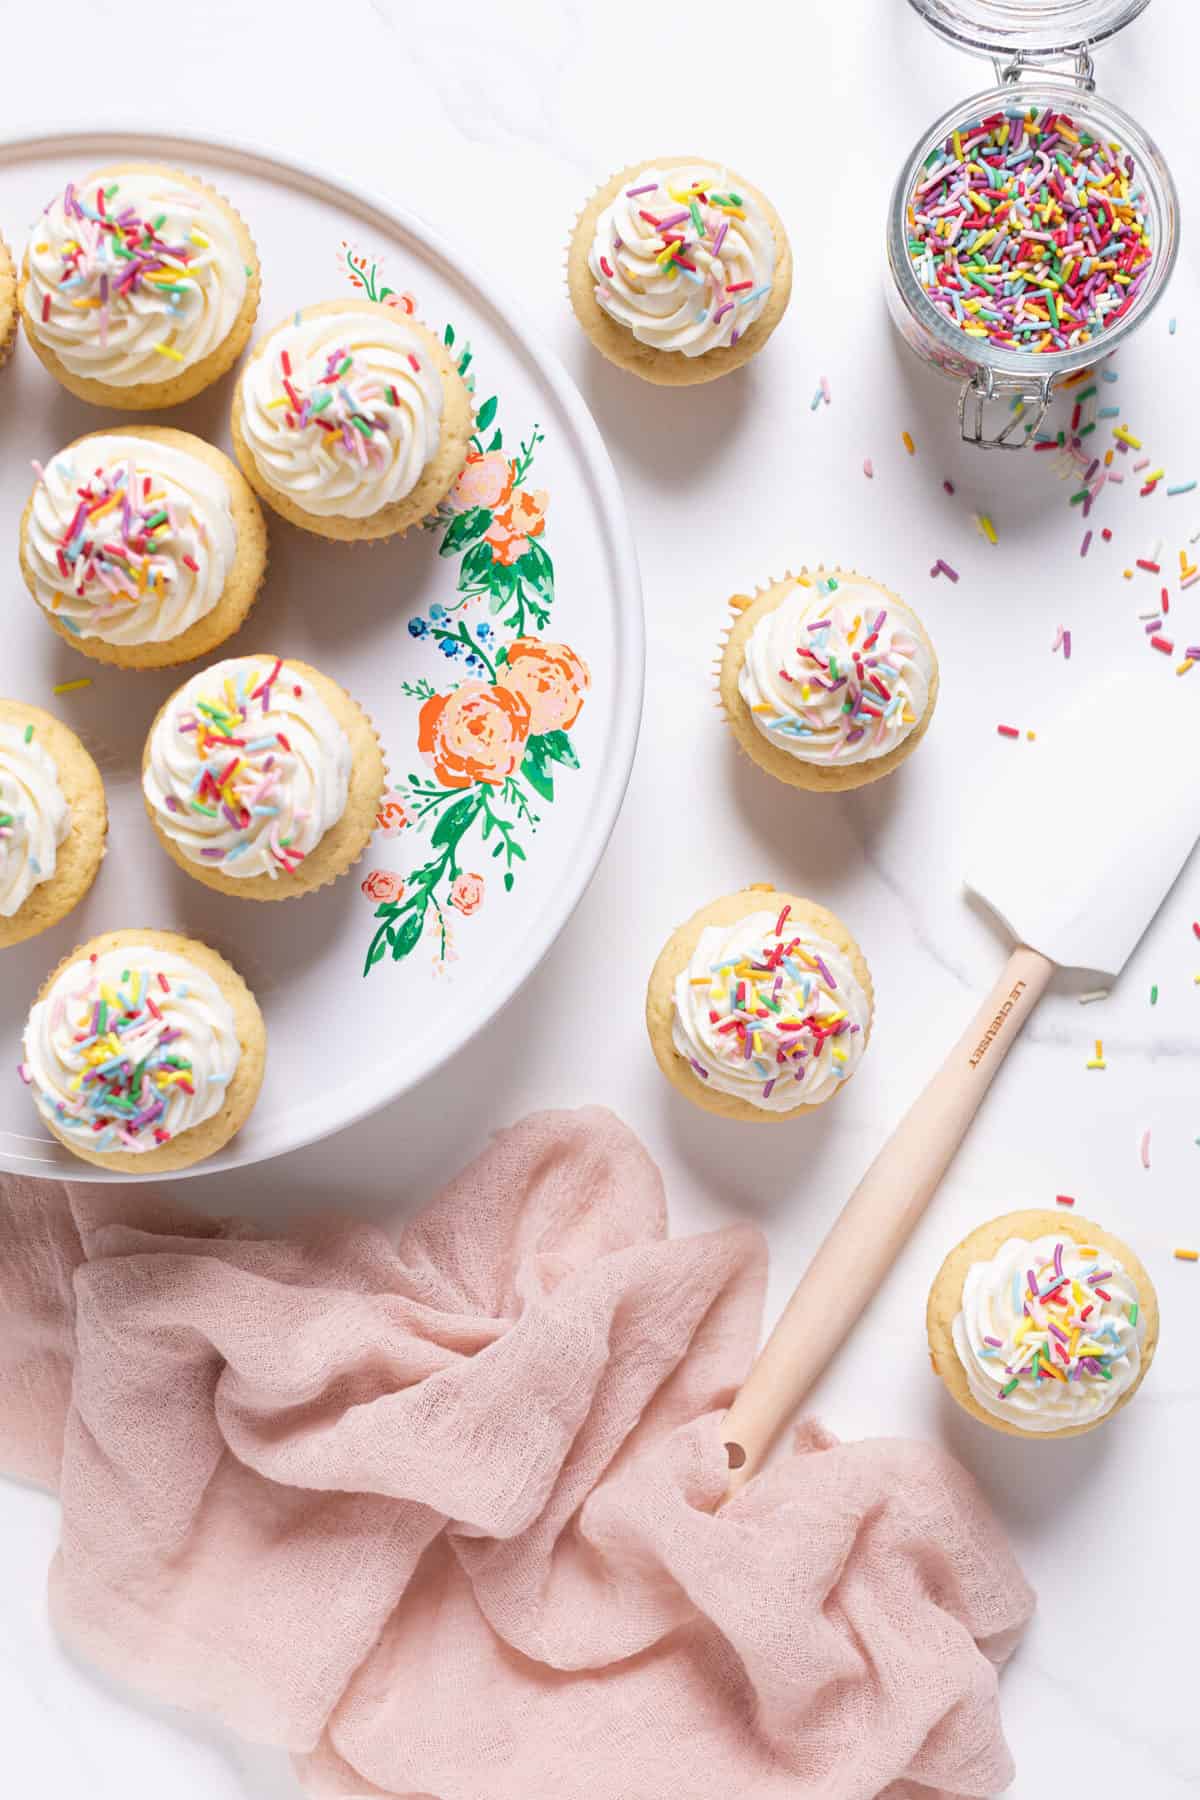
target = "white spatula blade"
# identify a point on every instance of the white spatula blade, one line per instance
(1079, 846)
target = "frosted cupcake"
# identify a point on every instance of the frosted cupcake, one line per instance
(143, 546)
(139, 287)
(262, 778)
(827, 679)
(1042, 1326)
(8, 303)
(53, 821)
(679, 270)
(351, 420)
(144, 1051)
(760, 1007)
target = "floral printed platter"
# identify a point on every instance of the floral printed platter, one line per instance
(498, 650)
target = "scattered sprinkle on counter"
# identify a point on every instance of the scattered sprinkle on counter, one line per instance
(1187, 1255)
(906, 440)
(1144, 1150)
(72, 687)
(1097, 1061)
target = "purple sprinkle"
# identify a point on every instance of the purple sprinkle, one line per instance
(721, 311)
(647, 188)
(1086, 544)
(720, 238)
(215, 854)
(819, 624)
(23, 1070)
(830, 983)
(766, 1093)
(1067, 645)
(700, 1070)
(996, 1343)
(1099, 1276)
(673, 219)
(1058, 1268)
(945, 568)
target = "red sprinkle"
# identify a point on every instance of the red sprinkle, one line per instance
(1195, 928)
(45, 308)
(1166, 645)
(413, 363)
(605, 266)
(1152, 567)
(1065, 1199)
(1008, 731)
(1106, 534)
(286, 360)
(1166, 601)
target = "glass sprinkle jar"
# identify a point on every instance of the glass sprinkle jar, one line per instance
(1041, 51)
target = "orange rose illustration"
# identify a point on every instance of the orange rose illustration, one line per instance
(392, 816)
(552, 679)
(512, 527)
(475, 733)
(382, 885)
(485, 479)
(467, 894)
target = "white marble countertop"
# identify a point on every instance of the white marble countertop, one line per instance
(495, 122)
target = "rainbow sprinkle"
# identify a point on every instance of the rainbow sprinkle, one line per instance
(125, 542)
(777, 1012)
(1061, 1332)
(1028, 232)
(123, 1039)
(347, 405)
(244, 759)
(116, 254)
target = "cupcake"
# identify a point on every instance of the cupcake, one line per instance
(139, 287)
(760, 1006)
(8, 303)
(828, 681)
(262, 778)
(53, 821)
(144, 1051)
(679, 270)
(1042, 1326)
(144, 546)
(351, 420)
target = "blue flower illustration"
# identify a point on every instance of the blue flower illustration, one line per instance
(418, 628)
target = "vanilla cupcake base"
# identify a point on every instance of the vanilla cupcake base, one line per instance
(343, 844)
(211, 1134)
(82, 850)
(437, 478)
(945, 1303)
(670, 368)
(243, 581)
(821, 778)
(677, 954)
(9, 311)
(189, 379)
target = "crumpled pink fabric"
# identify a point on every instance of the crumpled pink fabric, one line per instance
(444, 1518)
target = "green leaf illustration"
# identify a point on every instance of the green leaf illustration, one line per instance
(536, 768)
(476, 567)
(465, 529)
(558, 748)
(486, 414)
(503, 581)
(497, 439)
(537, 569)
(455, 820)
(405, 937)
(448, 336)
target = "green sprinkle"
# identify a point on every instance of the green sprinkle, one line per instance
(347, 363)
(360, 424)
(28, 733)
(1154, 995)
(1133, 1313)
(697, 218)
(6, 819)
(1088, 393)
(1081, 495)
(1006, 1391)
(833, 668)
(318, 406)
(737, 200)
(831, 586)
(159, 518)
(110, 191)
(157, 224)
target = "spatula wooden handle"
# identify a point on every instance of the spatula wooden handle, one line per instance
(876, 1220)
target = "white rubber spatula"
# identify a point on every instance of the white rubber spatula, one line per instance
(1077, 851)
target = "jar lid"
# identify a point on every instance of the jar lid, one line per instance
(1037, 27)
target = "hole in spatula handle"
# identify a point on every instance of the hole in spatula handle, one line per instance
(736, 1455)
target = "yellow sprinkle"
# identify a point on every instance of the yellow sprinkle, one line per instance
(958, 147)
(1188, 1255)
(198, 237)
(762, 708)
(41, 249)
(1183, 667)
(1127, 437)
(906, 440)
(169, 350)
(1031, 735)
(988, 529)
(1128, 574)
(1157, 476)
(70, 687)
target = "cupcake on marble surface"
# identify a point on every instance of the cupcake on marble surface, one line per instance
(53, 821)
(679, 270)
(144, 1051)
(760, 1007)
(139, 287)
(144, 546)
(1041, 1325)
(352, 420)
(828, 680)
(262, 778)
(8, 303)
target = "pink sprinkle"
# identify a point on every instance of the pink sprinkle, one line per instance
(1086, 544)
(868, 468)
(825, 393)
(1145, 1151)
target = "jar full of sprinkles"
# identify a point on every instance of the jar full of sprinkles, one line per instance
(1036, 224)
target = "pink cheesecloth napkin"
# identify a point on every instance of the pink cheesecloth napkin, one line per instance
(441, 1518)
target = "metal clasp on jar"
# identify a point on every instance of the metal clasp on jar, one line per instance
(1013, 391)
(1079, 69)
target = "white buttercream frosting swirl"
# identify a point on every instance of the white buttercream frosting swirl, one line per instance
(342, 411)
(770, 1012)
(34, 815)
(1049, 1333)
(247, 768)
(837, 672)
(129, 540)
(684, 258)
(133, 277)
(130, 1047)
